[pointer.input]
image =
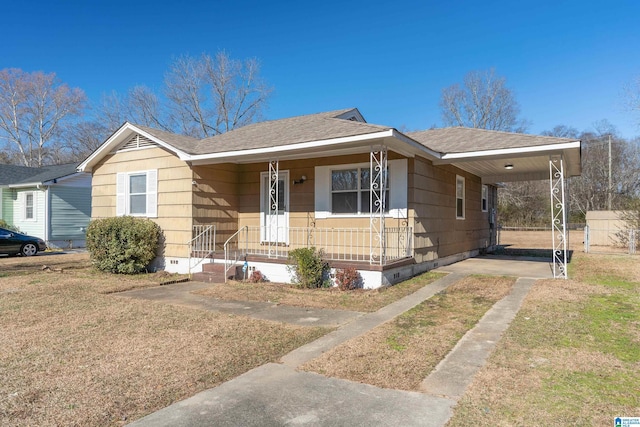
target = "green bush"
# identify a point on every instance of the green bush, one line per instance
(5, 224)
(123, 244)
(308, 268)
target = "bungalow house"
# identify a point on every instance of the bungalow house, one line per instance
(391, 204)
(50, 202)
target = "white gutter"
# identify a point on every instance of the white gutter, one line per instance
(511, 151)
(26, 184)
(289, 147)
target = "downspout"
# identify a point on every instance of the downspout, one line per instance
(47, 203)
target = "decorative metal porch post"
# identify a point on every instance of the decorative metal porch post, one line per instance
(272, 216)
(377, 191)
(558, 217)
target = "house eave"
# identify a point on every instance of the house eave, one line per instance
(507, 152)
(338, 146)
(117, 138)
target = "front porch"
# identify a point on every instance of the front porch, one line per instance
(267, 249)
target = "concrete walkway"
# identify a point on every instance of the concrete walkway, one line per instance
(278, 394)
(181, 294)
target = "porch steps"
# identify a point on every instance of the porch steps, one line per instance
(211, 273)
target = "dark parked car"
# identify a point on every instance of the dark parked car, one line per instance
(13, 243)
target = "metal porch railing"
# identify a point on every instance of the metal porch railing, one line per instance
(202, 245)
(338, 244)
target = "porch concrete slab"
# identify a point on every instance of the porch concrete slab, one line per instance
(277, 395)
(366, 322)
(503, 265)
(182, 294)
(455, 372)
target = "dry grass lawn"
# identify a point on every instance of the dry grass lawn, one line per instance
(571, 356)
(356, 300)
(73, 355)
(401, 353)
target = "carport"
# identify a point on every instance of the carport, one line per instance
(502, 157)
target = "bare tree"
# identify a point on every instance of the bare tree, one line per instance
(483, 101)
(202, 96)
(631, 98)
(34, 110)
(209, 96)
(592, 190)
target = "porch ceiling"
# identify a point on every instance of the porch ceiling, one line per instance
(527, 166)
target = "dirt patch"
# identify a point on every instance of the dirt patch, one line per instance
(401, 353)
(356, 300)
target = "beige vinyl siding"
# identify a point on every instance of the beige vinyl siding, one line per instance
(174, 192)
(301, 196)
(215, 199)
(432, 211)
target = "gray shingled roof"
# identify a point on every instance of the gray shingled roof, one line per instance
(327, 125)
(13, 174)
(272, 133)
(464, 140)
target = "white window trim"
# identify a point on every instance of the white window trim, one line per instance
(122, 193)
(398, 190)
(358, 190)
(34, 214)
(460, 179)
(484, 198)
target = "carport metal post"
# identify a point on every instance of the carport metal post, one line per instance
(558, 217)
(272, 217)
(377, 191)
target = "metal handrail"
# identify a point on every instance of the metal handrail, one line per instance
(227, 264)
(201, 245)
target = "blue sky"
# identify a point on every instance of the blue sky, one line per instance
(566, 61)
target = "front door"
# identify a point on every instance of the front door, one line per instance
(274, 223)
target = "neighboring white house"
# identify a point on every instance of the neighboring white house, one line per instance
(50, 202)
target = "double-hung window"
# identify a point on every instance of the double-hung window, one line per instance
(350, 191)
(137, 193)
(29, 206)
(485, 198)
(459, 197)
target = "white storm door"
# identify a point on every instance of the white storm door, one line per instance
(274, 223)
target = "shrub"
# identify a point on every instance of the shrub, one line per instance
(256, 277)
(5, 224)
(122, 244)
(308, 268)
(348, 279)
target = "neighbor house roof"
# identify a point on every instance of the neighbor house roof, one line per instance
(12, 175)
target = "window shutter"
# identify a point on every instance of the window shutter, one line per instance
(121, 196)
(152, 193)
(398, 175)
(322, 179)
